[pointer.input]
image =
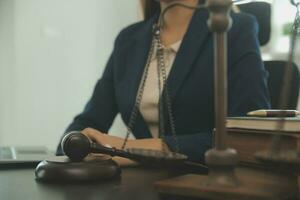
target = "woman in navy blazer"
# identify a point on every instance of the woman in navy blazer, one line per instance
(190, 82)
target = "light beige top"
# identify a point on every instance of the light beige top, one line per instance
(149, 103)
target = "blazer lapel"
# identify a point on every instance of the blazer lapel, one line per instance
(191, 46)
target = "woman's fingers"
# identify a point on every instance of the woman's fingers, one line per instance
(102, 138)
(93, 134)
(117, 142)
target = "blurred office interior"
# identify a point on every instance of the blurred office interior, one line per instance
(52, 52)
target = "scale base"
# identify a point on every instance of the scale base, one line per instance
(93, 168)
(254, 184)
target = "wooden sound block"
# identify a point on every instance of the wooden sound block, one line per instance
(92, 168)
(254, 184)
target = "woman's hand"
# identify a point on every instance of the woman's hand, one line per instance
(117, 142)
(102, 138)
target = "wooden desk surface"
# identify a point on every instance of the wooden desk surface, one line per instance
(136, 183)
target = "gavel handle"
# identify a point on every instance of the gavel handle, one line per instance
(96, 148)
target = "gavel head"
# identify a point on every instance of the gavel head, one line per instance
(76, 146)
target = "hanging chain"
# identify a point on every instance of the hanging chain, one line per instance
(165, 97)
(139, 96)
(286, 81)
(296, 25)
(161, 123)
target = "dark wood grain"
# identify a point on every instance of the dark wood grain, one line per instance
(254, 184)
(135, 183)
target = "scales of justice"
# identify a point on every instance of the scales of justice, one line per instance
(278, 179)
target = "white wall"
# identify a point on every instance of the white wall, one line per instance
(52, 52)
(6, 63)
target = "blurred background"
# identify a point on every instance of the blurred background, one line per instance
(52, 52)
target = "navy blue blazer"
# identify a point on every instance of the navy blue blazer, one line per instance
(190, 82)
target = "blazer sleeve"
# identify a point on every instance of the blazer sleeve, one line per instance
(247, 77)
(101, 109)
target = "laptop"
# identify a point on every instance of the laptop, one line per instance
(17, 156)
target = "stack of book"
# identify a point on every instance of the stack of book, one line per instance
(249, 135)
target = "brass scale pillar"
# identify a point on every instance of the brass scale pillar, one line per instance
(225, 180)
(221, 160)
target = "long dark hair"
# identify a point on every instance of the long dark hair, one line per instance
(150, 7)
